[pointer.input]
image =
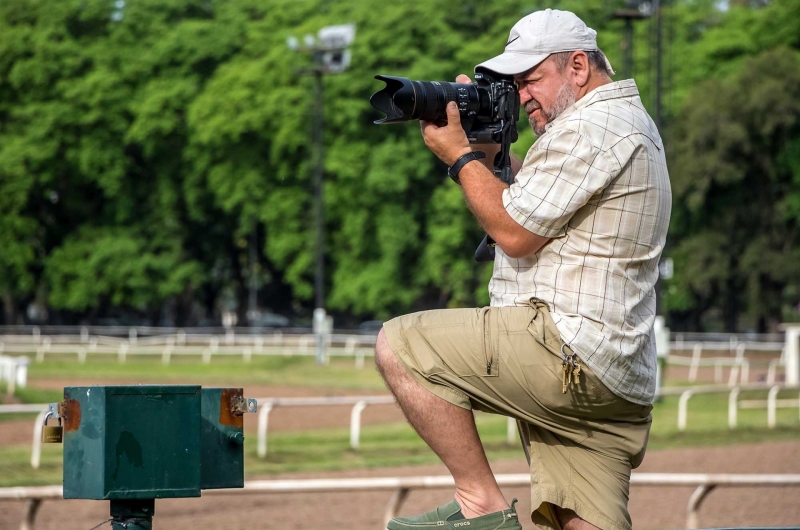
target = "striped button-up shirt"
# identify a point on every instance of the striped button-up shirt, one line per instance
(595, 182)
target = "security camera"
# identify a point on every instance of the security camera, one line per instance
(336, 37)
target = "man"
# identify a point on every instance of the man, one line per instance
(567, 346)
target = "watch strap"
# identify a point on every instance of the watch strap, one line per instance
(462, 161)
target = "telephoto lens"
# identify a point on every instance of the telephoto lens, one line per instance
(404, 100)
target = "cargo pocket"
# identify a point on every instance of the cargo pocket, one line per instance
(491, 342)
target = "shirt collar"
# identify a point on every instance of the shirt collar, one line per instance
(619, 89)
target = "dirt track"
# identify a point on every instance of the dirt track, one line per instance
(650, 507)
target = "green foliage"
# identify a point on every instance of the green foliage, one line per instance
(736, 178)
(144, 150)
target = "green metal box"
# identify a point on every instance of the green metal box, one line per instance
(151, 441)
(222, 435)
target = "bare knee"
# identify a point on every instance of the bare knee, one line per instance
(383, 352)
(570, 521)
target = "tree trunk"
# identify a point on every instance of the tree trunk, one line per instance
(9, 312)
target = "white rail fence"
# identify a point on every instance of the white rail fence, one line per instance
(359, 403)
(209, 342)
(195, 344)
(402, 486)
(735, 360)
(772, 403)
(13, 372)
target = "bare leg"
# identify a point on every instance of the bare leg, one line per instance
(449, 430)
(570, 521)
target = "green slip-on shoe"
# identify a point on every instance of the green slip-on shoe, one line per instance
(449, 516)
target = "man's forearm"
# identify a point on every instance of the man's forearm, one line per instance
(484, 195)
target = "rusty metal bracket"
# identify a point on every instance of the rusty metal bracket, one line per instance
(241, 405)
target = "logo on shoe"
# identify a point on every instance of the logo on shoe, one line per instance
(463, 523)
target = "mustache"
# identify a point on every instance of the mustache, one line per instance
(531, 106)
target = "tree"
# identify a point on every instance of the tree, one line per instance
(736, 182)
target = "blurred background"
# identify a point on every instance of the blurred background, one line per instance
(157, 158)
(162, 163)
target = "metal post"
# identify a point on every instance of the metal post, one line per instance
(792, 355)
(263, 420)
(657, 109)
(683, 404)
(132, 514)
(697, 498)
(31, 509)
(394, 504)
(627, 61)
(733, 407)
(355, 423)
(319, 212)
(252, 299)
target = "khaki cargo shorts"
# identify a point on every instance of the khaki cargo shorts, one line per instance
(581, 445)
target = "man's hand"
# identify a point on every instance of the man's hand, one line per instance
(448, 142)
(491, 150)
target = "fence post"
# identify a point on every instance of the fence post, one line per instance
(733, 407)
(773, 365)
(511, 430)
(683, 403)
(12, 377)
(123, 352)
(355, 423)
(692, 517)
(772, 405)
(394, 504)
(359, 359)
(263, 419)
(697, 351)
(45, 346)
(31, 508)
(36, 448)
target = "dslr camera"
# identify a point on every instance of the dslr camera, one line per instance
(489, 110)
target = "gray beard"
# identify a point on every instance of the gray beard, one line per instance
(564, 99)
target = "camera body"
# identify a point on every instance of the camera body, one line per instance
(489, 107)
(489, 110)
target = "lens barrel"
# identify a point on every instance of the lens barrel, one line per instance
(403, 100)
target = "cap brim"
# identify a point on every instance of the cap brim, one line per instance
(511, 63)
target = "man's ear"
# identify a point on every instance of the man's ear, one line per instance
(579, 67)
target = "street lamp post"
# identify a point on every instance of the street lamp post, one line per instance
(329, 50)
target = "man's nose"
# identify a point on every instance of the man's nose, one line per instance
(524, 97)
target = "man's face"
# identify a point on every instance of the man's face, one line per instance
(544, 93)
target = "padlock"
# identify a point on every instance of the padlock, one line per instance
(52, 435)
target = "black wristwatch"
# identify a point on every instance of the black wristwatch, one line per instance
(462, 161)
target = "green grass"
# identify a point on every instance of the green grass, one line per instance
(381, 445)
(223, 369)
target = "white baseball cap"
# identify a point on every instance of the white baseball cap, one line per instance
(540, 34)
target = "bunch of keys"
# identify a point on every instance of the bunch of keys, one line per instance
(570, 370)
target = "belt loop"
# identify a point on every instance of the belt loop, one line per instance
(537, 304)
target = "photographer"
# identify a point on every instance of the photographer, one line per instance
(567, 346)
